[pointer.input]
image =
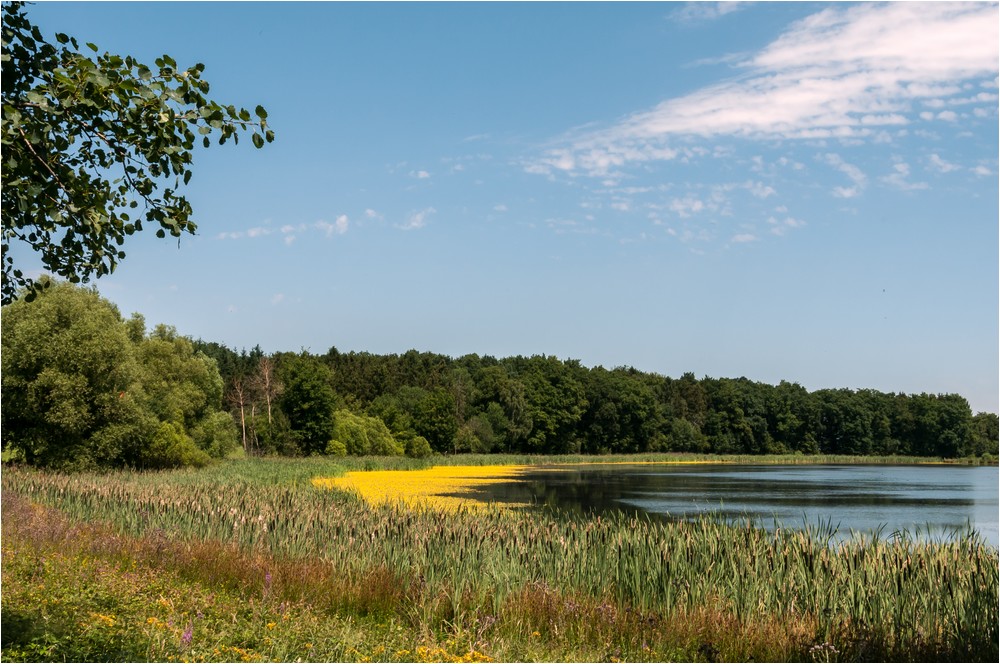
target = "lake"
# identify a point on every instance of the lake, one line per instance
(926, 500)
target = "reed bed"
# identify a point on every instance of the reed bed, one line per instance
(865, 598)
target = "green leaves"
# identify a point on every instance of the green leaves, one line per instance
(85, 134)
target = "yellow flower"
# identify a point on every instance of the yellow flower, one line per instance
(107, 620)
(429, 488)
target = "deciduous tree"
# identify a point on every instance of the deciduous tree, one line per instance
(95, 146)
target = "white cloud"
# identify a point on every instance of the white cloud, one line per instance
(947, 116)
(500, 208)
(941, 165)
(685, 207)
(743, 238)
(982, 170)
(759, 189)
(855, 174)
(697, 12)
(278, 297)
(899, 178)
(843, 72)
(417, 220)
(256, 231)
(420, 175)
(338, 227)
(782, 226)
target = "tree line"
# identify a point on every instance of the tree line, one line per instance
(83, 387)
(545, 405)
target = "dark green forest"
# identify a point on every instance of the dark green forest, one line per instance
(84, 387)
(295, 403)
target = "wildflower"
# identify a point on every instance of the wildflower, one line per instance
(188, 634)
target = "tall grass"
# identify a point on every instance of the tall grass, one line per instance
(709, 585)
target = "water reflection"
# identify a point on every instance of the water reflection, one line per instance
(934, 500)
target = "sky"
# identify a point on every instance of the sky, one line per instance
(783, 191)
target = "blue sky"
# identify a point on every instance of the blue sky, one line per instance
(789, 191)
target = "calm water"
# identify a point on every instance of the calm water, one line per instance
(934, 500)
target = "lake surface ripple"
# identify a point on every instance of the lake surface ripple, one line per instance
(928, 501)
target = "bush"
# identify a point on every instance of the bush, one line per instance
(362, 435)
(216, 434)
(417, 447)
(171, 447)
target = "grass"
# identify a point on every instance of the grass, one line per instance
(235, 548)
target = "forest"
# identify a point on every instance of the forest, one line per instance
(84, 387)
(545, 405)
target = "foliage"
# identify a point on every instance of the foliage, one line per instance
(171, 447)
(417, 447)
(362, 435)
(72, 382)
(84, 388)
(308, 401)
(986, 434)
(88, 138)
(546, 405)
(511, 585)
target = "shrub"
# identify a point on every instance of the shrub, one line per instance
(363, 435)
(171, 447)
(417, 447)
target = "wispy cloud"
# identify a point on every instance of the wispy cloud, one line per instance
(290, 232)
(782, 226)
(855, 174)
(900, 178)
(941, 165)
(256, 231)
(848, 71)
(417, 220)
(698, 12)
(420, 175)
(337, 227)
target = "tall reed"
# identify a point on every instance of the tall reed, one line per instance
(897, 598)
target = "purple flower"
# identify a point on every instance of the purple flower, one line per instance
(188, 634)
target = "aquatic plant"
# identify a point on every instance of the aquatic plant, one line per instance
(620, 579)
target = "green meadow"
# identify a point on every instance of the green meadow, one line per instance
(247, 560)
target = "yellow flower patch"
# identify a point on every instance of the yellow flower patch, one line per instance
(431, 488)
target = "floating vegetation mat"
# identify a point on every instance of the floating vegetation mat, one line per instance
(437, 488)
